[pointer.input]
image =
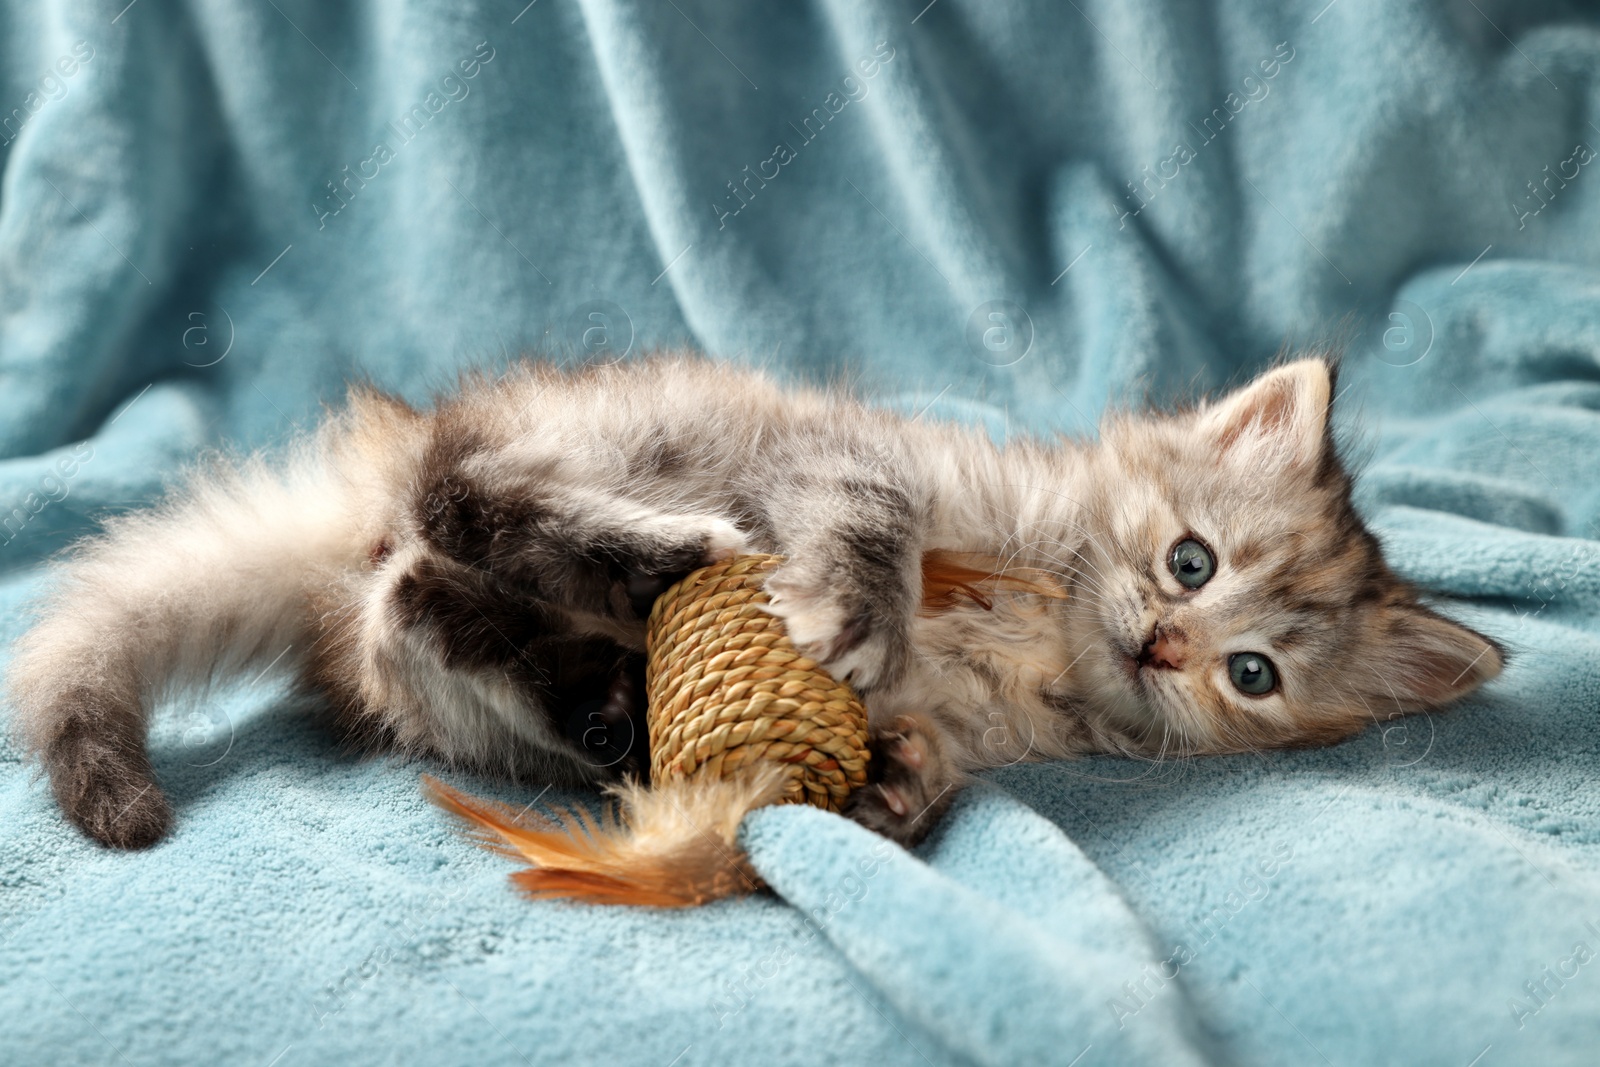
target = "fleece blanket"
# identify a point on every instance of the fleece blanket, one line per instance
(215, 214)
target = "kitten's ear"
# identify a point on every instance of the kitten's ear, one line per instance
(1281, 417)
(1423, 660)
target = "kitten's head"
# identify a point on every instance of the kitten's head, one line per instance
(1240, 602)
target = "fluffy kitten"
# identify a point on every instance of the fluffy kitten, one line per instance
(469, 582)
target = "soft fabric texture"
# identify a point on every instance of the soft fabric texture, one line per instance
(177, 271)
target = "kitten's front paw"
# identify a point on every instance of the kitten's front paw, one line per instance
(851, 642)
(914, 782)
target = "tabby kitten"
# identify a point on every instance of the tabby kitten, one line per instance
(469, 581)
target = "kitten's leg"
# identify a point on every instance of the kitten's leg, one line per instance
(853, 576)
(914, 781)
(599, 555)
(209, 583)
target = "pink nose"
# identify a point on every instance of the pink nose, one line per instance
(1165, 650)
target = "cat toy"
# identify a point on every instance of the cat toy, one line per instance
(738, 718)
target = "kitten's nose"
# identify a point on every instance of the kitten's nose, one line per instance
(1165, 649)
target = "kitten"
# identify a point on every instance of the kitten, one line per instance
(470, 581)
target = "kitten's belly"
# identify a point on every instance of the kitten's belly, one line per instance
(986, 679)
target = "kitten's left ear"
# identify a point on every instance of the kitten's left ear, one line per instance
(1280, 418)
(1420, 659)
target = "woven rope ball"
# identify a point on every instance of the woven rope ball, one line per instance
(727, 688)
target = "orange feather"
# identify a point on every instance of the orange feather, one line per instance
(671, 847)
(948, 576)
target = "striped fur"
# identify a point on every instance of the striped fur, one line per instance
(467, 582)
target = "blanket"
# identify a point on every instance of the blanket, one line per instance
(214, 215)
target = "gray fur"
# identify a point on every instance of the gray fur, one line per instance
(452, 581)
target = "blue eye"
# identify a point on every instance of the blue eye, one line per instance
(1252, 673)
(1191, 563)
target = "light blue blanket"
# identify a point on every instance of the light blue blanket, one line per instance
(215, 213)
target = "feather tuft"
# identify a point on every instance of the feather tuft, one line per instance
(948, 576)
(674, 846)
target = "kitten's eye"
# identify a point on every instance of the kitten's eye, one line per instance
(1191, 563)
(1252, 673)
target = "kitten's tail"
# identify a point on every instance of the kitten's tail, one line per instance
(211, 583)
(672, 846)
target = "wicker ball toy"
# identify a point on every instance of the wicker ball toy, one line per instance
(727, 687)
(727, 693)
(729, 699)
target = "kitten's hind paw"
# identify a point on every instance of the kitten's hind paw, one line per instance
(723, 541)
(689, 545)
(913, 782)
